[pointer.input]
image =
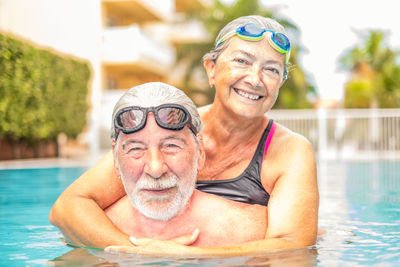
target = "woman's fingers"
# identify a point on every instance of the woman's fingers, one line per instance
(185, 240)
(140, 241)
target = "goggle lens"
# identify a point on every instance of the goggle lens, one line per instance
(281, 40)
(171, 116)
(130, 119)
(250, 30)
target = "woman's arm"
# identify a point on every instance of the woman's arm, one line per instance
(292, 208)
(294, 198)
(78, 212)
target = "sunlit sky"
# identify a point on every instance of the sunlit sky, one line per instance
(328, 27)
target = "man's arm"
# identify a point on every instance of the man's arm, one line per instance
(78, 212)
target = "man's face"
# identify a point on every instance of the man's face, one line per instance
(158, 168)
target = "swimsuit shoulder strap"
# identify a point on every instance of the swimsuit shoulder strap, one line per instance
(272, 127)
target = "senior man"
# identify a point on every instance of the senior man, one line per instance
(157, 154)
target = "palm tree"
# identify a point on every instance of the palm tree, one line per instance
(214, 18)
(375, 80)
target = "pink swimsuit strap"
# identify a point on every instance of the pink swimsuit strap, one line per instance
(269, 137)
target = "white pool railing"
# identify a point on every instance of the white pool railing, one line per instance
(349, 134)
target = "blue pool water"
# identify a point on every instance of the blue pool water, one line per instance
(26, 196)
(359, 209)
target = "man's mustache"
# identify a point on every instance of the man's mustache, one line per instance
(148, 183)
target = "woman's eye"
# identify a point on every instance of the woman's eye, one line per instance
(241, 60)
(273, 70)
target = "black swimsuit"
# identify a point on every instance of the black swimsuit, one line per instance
(246, 187)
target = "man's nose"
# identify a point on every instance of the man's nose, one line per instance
(155, 165)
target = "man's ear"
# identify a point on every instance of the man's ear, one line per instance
(116, 166)
(210, 69)
(202, 154)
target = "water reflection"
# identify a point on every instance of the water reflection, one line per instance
(82, 257)
(360, 208)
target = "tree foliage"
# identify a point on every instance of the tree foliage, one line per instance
(293, 93)
(375, 80)
(41, 94)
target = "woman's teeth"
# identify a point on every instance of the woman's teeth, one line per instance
(247, 95)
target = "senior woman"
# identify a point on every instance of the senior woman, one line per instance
(249, 157)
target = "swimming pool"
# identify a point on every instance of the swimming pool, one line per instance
(359, 208)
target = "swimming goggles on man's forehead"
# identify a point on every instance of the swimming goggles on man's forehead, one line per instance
(168, 116)
(253, 32)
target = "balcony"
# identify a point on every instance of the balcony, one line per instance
(127, 12)
(185, 5)
(128, 53)
(187, 32)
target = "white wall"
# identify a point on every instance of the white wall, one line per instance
(69, 26)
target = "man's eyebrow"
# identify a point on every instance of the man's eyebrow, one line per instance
(131, 141)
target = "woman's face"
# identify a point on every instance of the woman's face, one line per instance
(247, 76)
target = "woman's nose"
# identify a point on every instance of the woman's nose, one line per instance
(155, 164)
(254, 77)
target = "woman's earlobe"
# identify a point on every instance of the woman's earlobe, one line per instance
(282, 82)
(210, 69)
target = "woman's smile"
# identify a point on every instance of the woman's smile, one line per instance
(247, 95)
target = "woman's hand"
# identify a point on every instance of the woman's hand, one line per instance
(185, 240)
(148, 246)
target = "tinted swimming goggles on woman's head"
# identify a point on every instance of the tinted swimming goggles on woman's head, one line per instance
(253, 32)
(168, 116)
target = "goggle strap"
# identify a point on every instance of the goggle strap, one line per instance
(250, 38)
(225, 37)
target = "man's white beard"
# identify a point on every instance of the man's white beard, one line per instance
(162, 207)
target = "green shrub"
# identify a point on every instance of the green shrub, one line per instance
(42, 94)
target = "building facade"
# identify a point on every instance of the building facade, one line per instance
(126, 43)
